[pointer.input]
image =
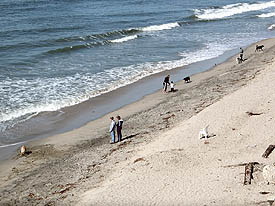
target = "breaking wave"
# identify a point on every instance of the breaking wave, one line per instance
(121, 36)
(102, 36)
(161, 27)
(124, 39)
(9, 145)
(271, 27)
(266, 15)
(231, 9)
(120, 33)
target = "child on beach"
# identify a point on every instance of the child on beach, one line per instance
(172, 85)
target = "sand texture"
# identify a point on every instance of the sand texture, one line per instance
(161, 160)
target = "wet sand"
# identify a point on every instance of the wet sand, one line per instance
(81, 166)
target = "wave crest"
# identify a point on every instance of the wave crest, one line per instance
(266, 15)
(124, 39)
(231, 9)
(118, 33)
(161, 27)
(13, 144)
(271, 27)
(105, 38)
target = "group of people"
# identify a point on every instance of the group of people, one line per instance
(116, 126)
(167, 82)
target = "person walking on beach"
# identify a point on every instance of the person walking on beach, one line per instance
(112, 130)
(119, 128)
(165, 83)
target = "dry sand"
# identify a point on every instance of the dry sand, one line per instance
(161, 160)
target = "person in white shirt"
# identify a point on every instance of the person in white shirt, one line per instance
(119, 128)
(112, 130)
(172, 85)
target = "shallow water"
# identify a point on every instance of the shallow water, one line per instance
(56, 54)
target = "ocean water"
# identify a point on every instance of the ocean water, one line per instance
(59, 53)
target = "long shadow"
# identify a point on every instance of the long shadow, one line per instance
(244, 60)
(129, 137)
(209, 136)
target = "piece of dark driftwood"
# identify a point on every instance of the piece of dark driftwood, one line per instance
(253, 113)
(248, 170)
(268, 151)
(242, 164)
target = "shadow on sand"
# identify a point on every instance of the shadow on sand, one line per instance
(129, 137)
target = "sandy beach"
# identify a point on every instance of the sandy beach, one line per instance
(161, 160)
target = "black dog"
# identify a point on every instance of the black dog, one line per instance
(259, 48)
(187, 79)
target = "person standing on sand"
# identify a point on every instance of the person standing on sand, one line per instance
(165, 83)
(241, 54)
(119, 128)
(112, 130)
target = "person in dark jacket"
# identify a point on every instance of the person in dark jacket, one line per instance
(166, 82)
(119, 128)
(241, 54)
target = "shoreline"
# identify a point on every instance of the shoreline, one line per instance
(86, 153)
(53, 123)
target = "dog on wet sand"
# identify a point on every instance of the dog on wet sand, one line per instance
(23, 150)
(187, 79)
(259, 48)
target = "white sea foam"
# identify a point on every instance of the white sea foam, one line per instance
(267, 15)
(210, 50)
(161, 27)
(9, 145)
(124, 39)
(232, 9)
(271, 27)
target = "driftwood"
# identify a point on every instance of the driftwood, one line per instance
(268, 151)
(264, 193)
(241, 164)
(248, 171)
(253, 113)
(139, 159)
